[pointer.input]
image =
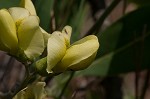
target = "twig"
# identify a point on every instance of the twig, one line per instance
(148, 72)
(139, 57)
(146, 83)
(124, 6)
(97, 26)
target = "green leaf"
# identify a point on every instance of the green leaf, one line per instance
(57, 84)
(77, 19)
(74, 15)
(124, 45)
(43, 9)
(8, 3)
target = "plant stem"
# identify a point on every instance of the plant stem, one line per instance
(66, 84)
(97, 26)
(146, 83)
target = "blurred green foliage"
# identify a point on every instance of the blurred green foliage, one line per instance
(124, 45)
(8, 3)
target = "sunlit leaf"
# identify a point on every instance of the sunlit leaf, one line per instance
(44, 8)
(8, 3)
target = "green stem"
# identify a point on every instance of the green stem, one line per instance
(97, 26)
(66, 84)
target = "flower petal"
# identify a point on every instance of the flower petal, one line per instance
(29, 6)
(83, 64)
(8, 31)
(56, 50)
(45, 36)
(32, 91)
(80, 54)
(30, 37)
(67, 30)
(18, 13)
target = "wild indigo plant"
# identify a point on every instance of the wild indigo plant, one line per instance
(22, 37)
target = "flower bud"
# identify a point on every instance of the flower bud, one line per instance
(29, 6)
(67, 30)
(46, 36)
(8, 34)
(30, 37)
(41, 66)
(79, 55)
(18, 13)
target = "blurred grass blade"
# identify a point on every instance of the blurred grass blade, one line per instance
(77, 20)
(73, 13)
(43, 9)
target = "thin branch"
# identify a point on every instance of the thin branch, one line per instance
(97, 26)
(138, 61)
(146, 83)
(124, 6)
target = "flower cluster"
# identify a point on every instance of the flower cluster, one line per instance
(22, 36)
(62, 56)
(20, 31)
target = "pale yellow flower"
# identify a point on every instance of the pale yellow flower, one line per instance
(79, 55)
(29, 6)
(20, 31)
(8, 35)
(62, 56)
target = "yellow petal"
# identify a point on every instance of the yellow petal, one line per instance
(45, 36)
(83, 64)
(67, 30)
(8, 34)
(32, 91)
(18, 13)
(30, 37)
(56, 50)
(29, 6)
(80, 54)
